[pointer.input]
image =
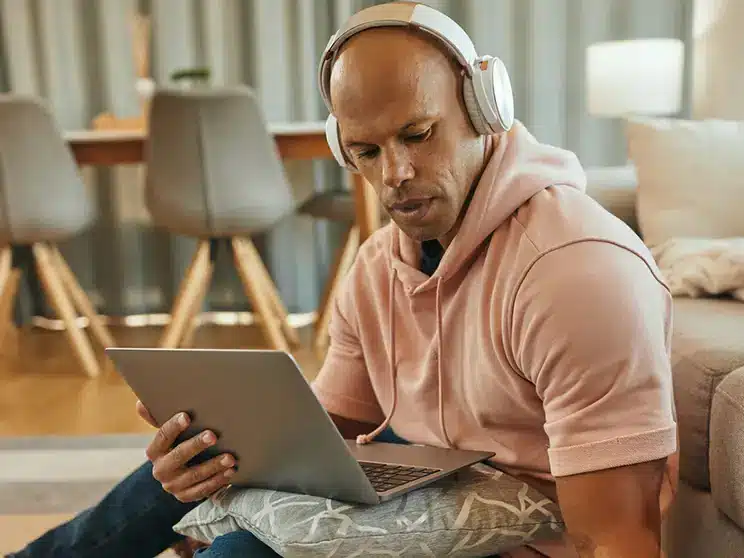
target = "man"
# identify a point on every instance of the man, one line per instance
(502, 309)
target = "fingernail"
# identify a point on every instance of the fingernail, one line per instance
(227, 461)
(208, 437)
(229, 473)
(183, 420)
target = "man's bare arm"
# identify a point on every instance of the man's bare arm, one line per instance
(614, 513)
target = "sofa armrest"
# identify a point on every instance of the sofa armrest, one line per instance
(727, 446)
(615, 189)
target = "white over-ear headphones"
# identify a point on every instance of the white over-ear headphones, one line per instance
(487, 91)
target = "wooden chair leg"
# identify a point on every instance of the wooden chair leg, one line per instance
(6, 262)
(9, 279)
(189, 296)
(9, 336)
(344, 259)
(100, 332)
(250, 251)
(187, 341)
(55, 290)
(188, 336)
(255, 289)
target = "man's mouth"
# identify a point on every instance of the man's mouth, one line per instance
(414, 209)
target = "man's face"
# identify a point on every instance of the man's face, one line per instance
(397, 100)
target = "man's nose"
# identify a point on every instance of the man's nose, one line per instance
(396, 168)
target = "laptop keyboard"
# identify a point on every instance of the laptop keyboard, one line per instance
(384, 476)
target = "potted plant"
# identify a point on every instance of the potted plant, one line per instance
(190, 77)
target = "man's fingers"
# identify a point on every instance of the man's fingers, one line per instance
(194, 475)
(187, 547)
(206, 488)
(185, 452)
(166, 436)
(145, 414)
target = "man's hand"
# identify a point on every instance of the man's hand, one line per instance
(614, 513)
(186, 483)
(187, 547)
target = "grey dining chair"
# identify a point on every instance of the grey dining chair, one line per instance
(43, 202)
(214, 174)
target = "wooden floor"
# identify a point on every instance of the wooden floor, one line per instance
(44, 393)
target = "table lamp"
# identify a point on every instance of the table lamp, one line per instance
(641, 77)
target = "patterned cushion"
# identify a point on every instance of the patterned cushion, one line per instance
(477, 512)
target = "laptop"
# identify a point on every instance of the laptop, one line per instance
(265, 413)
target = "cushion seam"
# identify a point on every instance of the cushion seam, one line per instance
(203, 522)
(731, 400)
(709, 377)
(708, 429)
(705, 368)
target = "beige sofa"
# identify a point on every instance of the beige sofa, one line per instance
(707, 519)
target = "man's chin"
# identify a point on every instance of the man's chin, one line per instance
(419, 233)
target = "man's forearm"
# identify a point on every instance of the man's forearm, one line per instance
(639, 546)
(614, 513)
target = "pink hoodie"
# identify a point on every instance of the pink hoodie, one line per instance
(543, 335)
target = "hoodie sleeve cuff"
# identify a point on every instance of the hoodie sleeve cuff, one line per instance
(615, 452)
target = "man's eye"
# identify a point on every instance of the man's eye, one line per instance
(423, 136)
(366, 153)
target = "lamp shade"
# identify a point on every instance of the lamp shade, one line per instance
(635, 77)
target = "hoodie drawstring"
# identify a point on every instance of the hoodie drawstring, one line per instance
(439, 364)
(367, 438)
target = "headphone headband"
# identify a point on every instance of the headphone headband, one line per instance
(399, 14)
(486, 88)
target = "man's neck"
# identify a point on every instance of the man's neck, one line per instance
(431, 256)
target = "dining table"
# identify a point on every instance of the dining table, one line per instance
(294, 141)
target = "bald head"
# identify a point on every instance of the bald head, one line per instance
(396, 94)
(389, 64)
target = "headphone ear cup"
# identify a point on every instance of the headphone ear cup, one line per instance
(333, 137)
(492, 93)
(503, 94)
(479, 122)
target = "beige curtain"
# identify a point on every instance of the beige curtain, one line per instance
(79, 54)
(718, 64)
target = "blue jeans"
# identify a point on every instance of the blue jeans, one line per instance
(135, 520)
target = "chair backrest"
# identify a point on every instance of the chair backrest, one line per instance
(42, 194)
(213, 168)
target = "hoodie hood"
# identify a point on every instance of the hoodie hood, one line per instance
(519, 167)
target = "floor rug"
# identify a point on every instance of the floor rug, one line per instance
(46, 480)
(59, 475)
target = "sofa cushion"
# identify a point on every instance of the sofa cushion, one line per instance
(727, 447)
(689, 177)
(696, 528)
(707, 345)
